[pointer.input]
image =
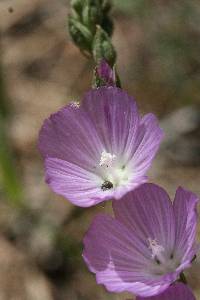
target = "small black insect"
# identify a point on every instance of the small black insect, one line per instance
(107, 185)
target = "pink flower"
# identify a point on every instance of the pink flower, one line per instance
(100, 149)
(147, 244)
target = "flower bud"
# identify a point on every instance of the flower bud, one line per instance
(77, 5)
(91, 16)
(80, 34)
(104, 75)
(103, 48)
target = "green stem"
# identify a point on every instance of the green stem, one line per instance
(8, 175)
(183, 278)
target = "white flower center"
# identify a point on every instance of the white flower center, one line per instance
(164, 262)
(107, 159)
(112, 171)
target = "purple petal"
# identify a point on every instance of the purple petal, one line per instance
(115, 117)
(69, 135)
(72, 182)
(185, 210)
(148, 213)
(119, 258)
(146, 143)
(178, 291)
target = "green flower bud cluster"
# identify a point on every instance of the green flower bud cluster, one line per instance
(91, 28)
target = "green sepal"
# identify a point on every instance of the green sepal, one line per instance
(103, 48)
(80, 34)
(77, 5)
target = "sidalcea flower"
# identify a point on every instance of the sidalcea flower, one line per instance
(100, 149)
(178, 291)
(147, 245)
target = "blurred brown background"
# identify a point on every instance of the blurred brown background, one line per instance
(158, 45)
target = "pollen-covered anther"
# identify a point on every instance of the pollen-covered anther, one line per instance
(155, 248)
(106, 159)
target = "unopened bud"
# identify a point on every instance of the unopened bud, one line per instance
(77, 5)
(103, 48)
(104, 75)
(91, 16)
(80, 34)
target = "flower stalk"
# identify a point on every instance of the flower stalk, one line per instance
(183, 278)
(8, 174)
(91, 28)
